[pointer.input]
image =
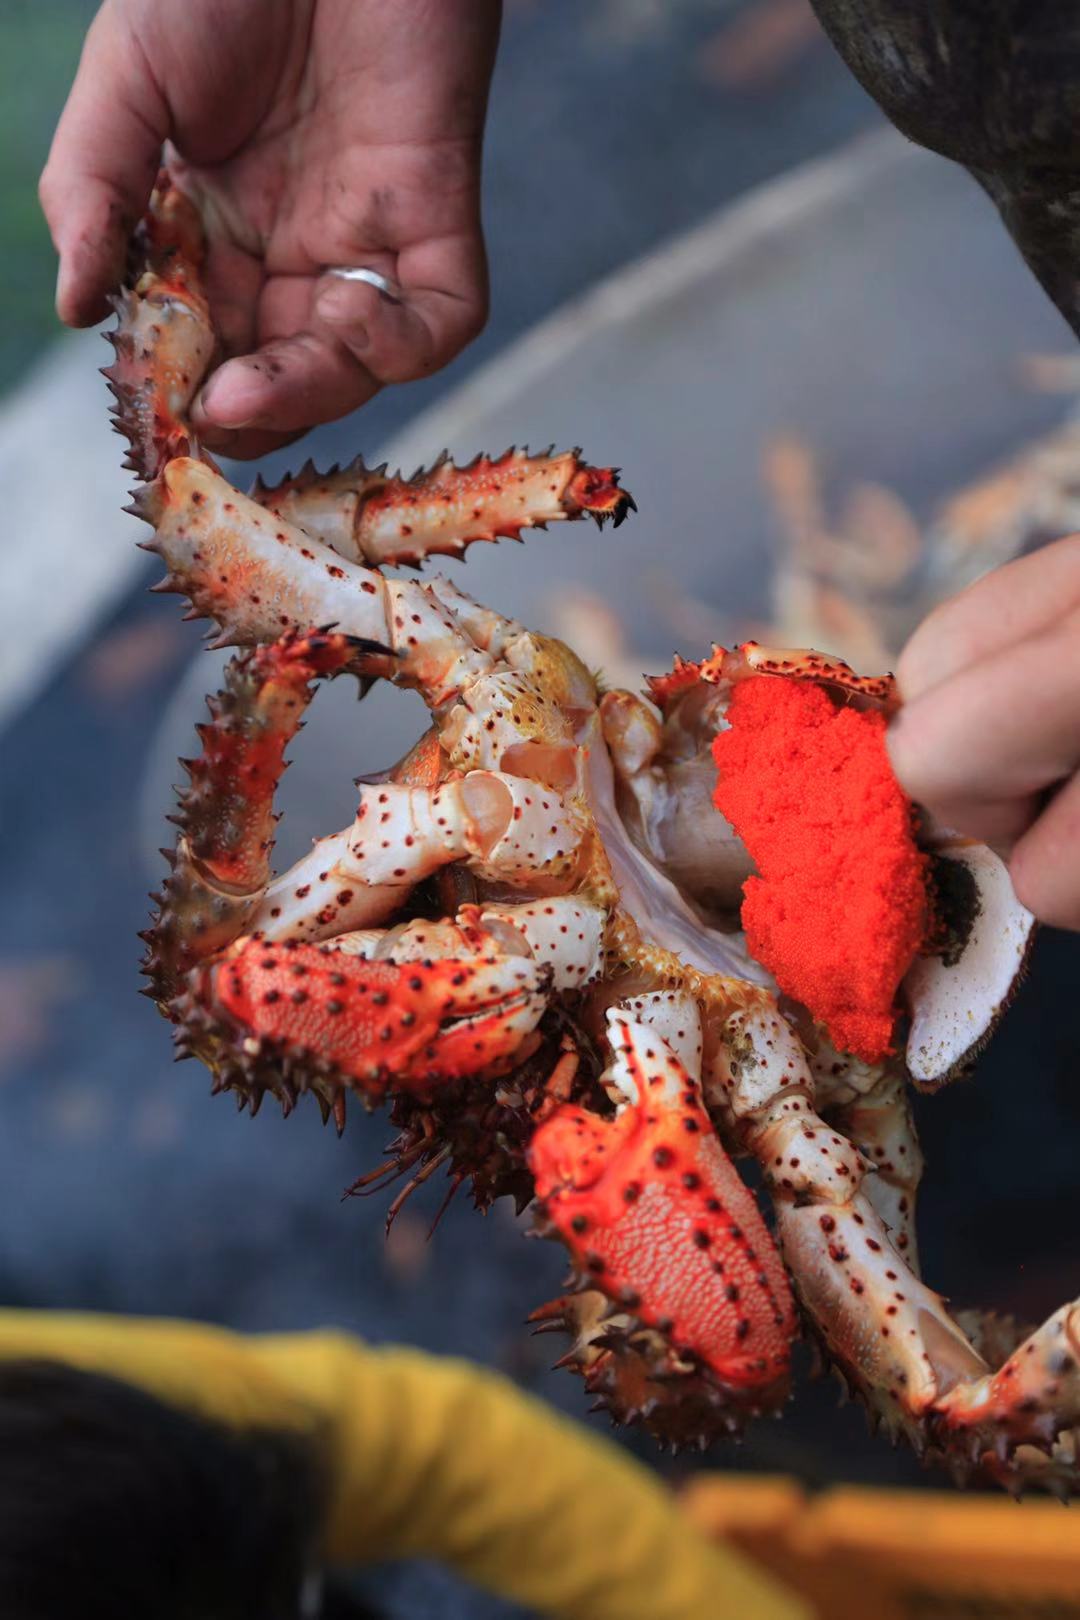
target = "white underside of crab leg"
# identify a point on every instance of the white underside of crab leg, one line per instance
(676, 1018)
(889, 1333)
(563, 931)
(869, 1105)
(492, 631)
(506, 828)
(562, 934)
(641, 1057)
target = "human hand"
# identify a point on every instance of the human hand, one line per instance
(989, 735)
(311, 133)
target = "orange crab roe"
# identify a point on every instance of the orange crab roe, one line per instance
(839, 908)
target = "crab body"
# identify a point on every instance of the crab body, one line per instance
(525, 943)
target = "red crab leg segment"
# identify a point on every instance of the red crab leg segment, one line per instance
(164, 339)
(506, 828)
(369, 517)
(305, 1012)
(652, 1209)
(226, 818)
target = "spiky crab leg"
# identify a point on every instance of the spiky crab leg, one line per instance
(378, 519)
(221, 865)
(889, 1334)
(660, 1223)
(502, 827)
(164, 339)
(253, 571)
(266, 1016)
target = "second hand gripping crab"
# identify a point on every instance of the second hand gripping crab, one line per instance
(525, 943)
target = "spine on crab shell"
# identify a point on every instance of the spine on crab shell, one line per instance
(376, 518)
(659, 1223)
(164, 338)
(221, 864)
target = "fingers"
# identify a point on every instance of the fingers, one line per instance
(979, 748)
(353, 339)
(1045, 865)
(101, 168)
(289, 385)
(1000, 609)
(442, 307)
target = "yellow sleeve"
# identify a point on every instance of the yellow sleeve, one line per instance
(438, 1459)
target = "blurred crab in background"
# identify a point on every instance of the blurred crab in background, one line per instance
(527, 943)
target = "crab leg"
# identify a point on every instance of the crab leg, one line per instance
(298, 1016)
(564, 933)
(370, 517)
(889, 1334)
(869, 1105)
(504, 827)
(657, 1218)
(164, 339)
(221, 864)
(417, 1004)
(256, 576)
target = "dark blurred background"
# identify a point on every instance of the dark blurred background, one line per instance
(615, 126)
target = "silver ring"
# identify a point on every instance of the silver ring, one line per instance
(383, 285)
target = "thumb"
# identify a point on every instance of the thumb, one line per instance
(101, 167)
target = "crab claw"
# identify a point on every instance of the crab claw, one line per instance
(654, 1212)
(596, 490)
(309, 1013)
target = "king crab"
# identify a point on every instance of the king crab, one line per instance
(523, 943)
